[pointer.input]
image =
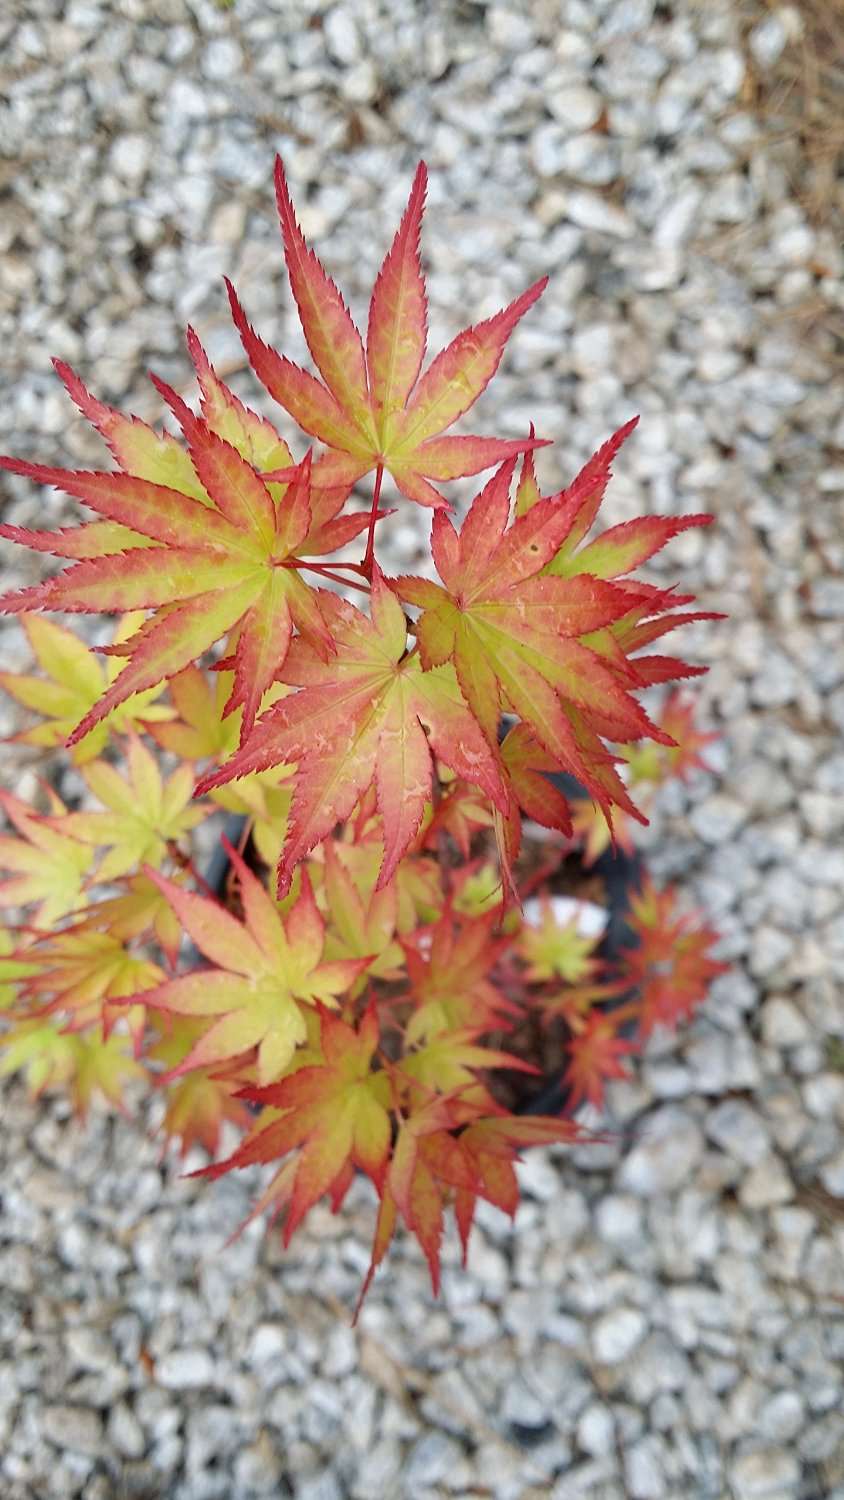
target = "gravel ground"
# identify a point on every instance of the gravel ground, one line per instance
(667, 1316)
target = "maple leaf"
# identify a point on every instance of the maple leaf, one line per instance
(576, 1002)
(74, 681)
(556, 950)
(417, 882)
(595, 1054)
(449, 1062)
(144, 814)
(47, 864)
(266, 969)
(461, 811)
(141, 909)
(612, 555)
(524, 763)
(367, 714)
(84, 1065)
(656, 763)
(374, 410)
(595, 834)
(83, 976)
(448, 969)
(209, 553)
(616, 551)
(670, 965)
(200, 728)
(13, 968)
(361, 920)
(197, 1104)
(203, 732)
(412, 1188)
(479, 1162)
(336, 1111)
(513, 634)
(432, 1164)
(257, 441)
(476, 890)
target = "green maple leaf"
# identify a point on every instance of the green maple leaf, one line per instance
(267, 969)
(84, 1065)
(144, 813)
(375, 410)
(46, 863)
(555, 949)
(74, 680)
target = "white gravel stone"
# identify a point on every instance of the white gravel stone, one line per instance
(74, 1428)
(185, 1369)
(828, 599)
(616, 1334)
(342, 36)
(717, 819)
(130, 157)
(125, 1432)
(766, 1184)
(575, 106)
(644, 1469)
(589, 211)
(783, 1025)
(740, 1131)
(765, 1474)
(832, 1175)
(596, 1430)
(666, 1153)
(782, 1417)
(768, 39)
(619, 1220)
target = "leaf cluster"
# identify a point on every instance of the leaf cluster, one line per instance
(360, 995)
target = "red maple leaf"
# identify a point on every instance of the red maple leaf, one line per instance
(370, 714)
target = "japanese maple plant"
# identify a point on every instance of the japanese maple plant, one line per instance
(385, 969)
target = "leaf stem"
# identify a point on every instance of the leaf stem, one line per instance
(325, 572)
(369, 555)
(185, 863)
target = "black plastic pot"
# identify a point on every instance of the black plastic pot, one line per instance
(621, 874)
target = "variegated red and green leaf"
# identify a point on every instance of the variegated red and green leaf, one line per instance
(595, 1056)
(369, 714)
(197, 1104)
(449, 970)
(671, 964)
(361, 921)
(336, 1112)
(374, 411)
(200, 540)
(81, 978)
(512, 634)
